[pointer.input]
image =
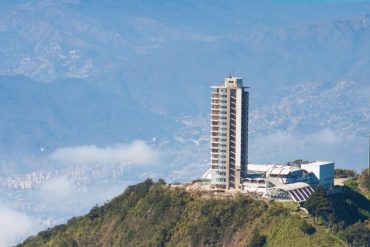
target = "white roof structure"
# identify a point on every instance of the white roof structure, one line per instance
(259, 168)
(274, 169)
(207, 174)
(282, 170)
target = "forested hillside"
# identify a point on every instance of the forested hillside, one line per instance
(153, 214)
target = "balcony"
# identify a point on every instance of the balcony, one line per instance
(214, 123)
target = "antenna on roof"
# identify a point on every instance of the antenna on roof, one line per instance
(231, 73)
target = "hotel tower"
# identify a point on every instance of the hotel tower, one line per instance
(229, 133)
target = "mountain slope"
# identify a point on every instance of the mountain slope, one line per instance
(68, 112)
(151, 214)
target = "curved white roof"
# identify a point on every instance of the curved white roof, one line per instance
(207, 174)
(282, 170)
(259, 168)
(272, 168)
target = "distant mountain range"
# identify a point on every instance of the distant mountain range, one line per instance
(157, 56)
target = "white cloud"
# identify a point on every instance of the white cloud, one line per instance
(326, 136)
(57, 190)
(14, 226)
(279, 139)
(205, 38)
(137, 152)
(274, 147)
(283, 146)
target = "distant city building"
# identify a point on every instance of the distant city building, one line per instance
(229, 133)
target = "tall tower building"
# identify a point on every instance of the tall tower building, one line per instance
(229, 133)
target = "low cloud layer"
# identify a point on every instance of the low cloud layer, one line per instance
(14, 226)
(137, 153)
(327, 144)
(57, 190)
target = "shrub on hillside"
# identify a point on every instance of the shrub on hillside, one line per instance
(364, 180)
(95, 212)
(257, 240)
(352, 183)
(48, 233)
(307, 228)
(161, 181)
(357, 235)
(344, 173)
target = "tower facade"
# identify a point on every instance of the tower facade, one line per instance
(229, 133)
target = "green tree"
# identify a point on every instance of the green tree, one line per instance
(318, 204)
(344, 173)
(161, 181)
(364, 180)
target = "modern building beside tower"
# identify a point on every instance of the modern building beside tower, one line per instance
(229, 133)
(230, 170)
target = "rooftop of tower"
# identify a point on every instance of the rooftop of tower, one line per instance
(231, 82)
